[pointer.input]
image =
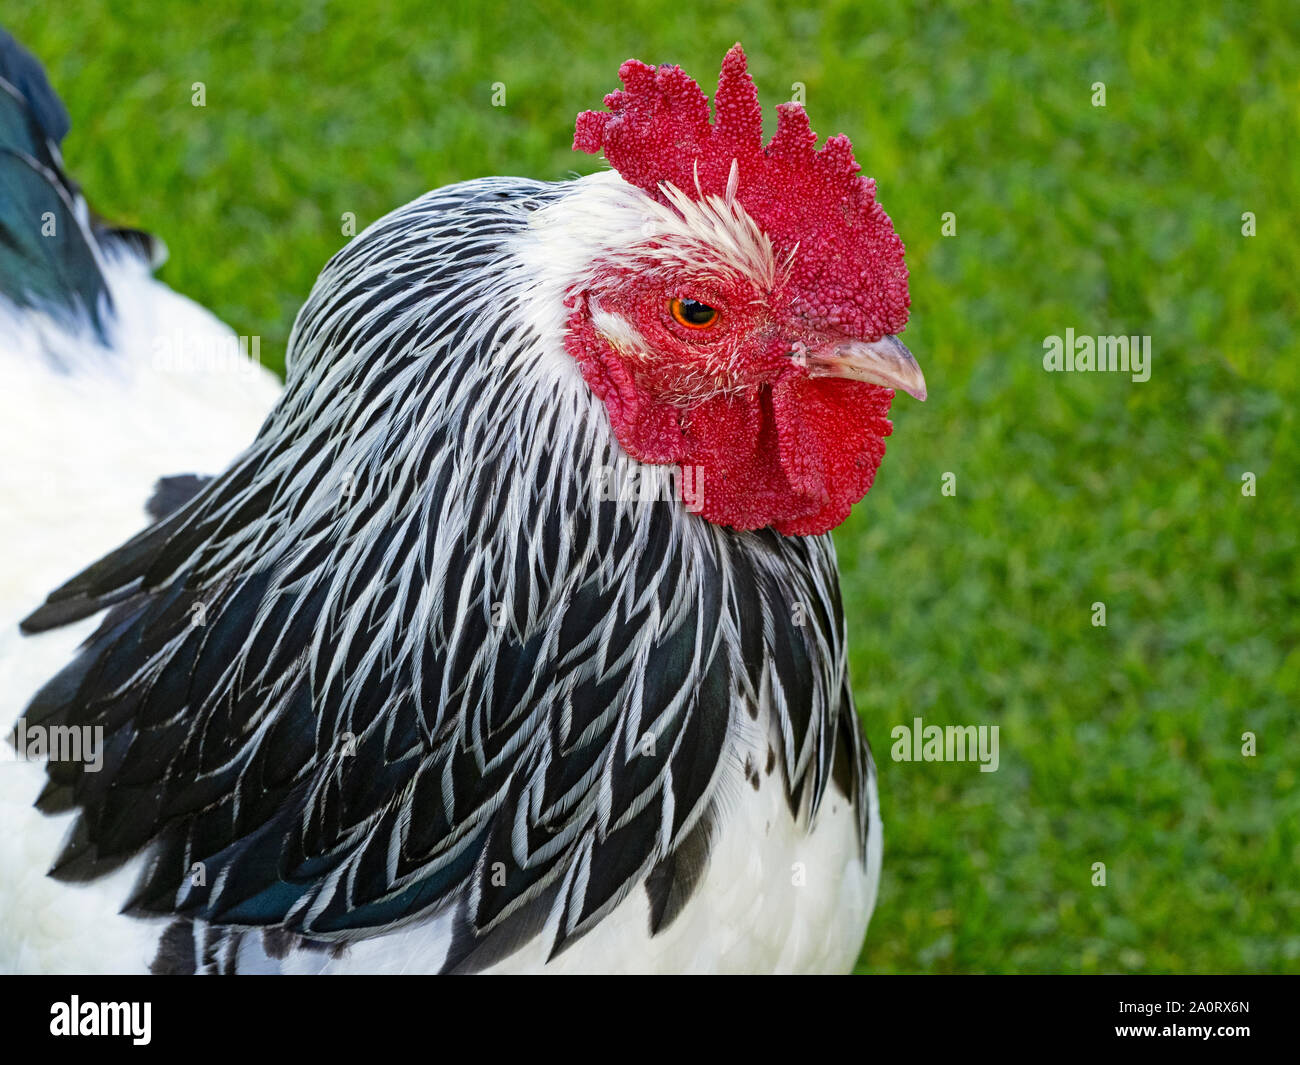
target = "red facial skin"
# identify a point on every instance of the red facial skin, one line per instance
(778, 447)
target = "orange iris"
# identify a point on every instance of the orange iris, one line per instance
(692, 313)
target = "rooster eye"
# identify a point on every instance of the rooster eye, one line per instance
(692, 313)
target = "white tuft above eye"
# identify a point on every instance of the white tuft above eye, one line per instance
(617, 330)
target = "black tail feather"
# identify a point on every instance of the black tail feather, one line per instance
(47, 255)
(51, 244)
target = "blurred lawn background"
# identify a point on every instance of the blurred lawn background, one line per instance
(1120, 744)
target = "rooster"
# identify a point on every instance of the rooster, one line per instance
(418, 683)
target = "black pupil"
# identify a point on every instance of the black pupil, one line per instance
(696, 313)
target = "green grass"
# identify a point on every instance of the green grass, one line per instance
(1120, 744)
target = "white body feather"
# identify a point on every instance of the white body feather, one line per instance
(86, 435)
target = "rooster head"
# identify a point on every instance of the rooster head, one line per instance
(747, 327)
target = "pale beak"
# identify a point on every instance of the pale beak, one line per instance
(882, 362)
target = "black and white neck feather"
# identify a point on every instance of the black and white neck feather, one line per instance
(401, 663)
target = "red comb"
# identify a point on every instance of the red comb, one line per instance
(849, 265)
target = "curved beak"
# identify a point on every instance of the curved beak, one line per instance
(882, 362)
